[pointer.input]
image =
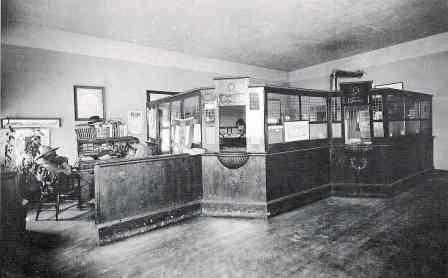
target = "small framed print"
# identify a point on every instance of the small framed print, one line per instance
(89, 102)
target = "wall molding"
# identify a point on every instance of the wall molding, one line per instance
(19, 34)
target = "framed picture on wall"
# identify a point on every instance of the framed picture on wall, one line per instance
(89, 101)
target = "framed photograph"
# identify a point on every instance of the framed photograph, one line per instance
(89, 101)
(396, 85)
(30, 122)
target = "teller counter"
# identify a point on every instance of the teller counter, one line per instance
(137, 195)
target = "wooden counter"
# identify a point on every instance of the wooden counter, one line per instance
(134, 196)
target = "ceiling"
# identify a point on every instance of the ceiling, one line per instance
(284, 34)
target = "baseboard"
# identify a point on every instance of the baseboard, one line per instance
(297, 200)
(377, 190)
(116, 230)
(234, 209)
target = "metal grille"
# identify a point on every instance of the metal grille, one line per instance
(396, 108)
(317, 109)
(412, 109)
(425, 110)
(291, 107)
(377, 107)
(274, 111)
(336, 109)
(254, 101)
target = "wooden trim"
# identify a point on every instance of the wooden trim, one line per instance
(145, 159)
(178, 96)
(126, 227)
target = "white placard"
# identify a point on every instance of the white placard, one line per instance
(135, 122)
(295, 131)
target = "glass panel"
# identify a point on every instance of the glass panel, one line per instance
(412, 111)
(165, 140)
(192, 110)
(305, 108)
(232, 128)
(290, 116)
(165, 124)
(357, 123)
(175, 117)
(152, 122)
(395, 108)
(412, 127)
(377, 107)
(378, 130)
(318, 131)
(274, 112)
(164, 115)
(317, 109)
(396, 128)
(336, 109)
(425, 110)
(175, 110)
(291, 108)
(426, 127)
(336, 130)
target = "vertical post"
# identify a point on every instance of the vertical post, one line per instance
(385, 116)
(370, 103)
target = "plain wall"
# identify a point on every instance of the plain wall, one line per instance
(39, 83)
(427, 74)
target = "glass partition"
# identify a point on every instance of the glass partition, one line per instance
(232, 128)
(426, 117)
(165, 127)
(396, 115)
(296, 118)
(377, 115)
(408, 115)
(336, 117)
(191, 110)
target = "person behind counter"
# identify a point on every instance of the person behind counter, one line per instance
(241, 126)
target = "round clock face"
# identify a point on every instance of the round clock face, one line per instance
(355, 90)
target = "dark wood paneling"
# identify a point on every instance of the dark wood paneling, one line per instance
(245, 184)
(12, 219)
(390, 159)
(87, 184)
(295, 171)
(126, 189)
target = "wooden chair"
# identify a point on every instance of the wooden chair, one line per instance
(54, 190)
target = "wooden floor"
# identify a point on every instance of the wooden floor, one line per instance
(406, 236)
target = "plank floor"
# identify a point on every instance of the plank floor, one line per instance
(406, 236)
